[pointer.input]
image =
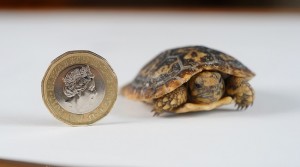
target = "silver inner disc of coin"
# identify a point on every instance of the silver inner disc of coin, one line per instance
(79, 89)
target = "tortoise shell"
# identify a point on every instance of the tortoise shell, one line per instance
(174, 67)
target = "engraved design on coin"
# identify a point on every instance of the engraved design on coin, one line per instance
(77, 81)
(79, 89)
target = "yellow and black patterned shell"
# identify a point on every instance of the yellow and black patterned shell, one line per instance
(174, 67)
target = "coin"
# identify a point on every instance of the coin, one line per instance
(79, 87)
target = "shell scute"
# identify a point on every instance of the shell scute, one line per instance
(172, 68)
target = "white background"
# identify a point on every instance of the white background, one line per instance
(268, 134)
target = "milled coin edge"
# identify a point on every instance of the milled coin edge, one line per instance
(113, 86)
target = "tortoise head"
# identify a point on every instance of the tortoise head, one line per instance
(206, 87)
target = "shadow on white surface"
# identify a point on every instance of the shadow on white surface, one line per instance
(126, 111)
(267, 103)
(28, 119)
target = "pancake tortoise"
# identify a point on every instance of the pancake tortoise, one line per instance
(190, 79)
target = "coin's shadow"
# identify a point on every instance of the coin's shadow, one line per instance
(27, 119)
(125, 108)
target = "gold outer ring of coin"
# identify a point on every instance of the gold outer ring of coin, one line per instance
(52, 87)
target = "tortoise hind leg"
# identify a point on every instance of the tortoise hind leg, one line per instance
(241, 91)
(170, 101)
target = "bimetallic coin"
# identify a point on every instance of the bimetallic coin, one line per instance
(79, 87)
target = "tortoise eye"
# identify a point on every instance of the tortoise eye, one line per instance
(198, 85)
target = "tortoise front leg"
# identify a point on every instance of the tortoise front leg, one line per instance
(170, 101)
(241, 91)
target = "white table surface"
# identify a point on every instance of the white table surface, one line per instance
(268, 134)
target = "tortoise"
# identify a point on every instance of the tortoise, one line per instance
(190, 79)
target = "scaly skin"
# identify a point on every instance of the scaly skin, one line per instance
(241, 91)
(206, 87)
(170, 101)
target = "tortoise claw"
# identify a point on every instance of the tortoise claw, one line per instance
(156, 113)
(239, 108)
(242, 107)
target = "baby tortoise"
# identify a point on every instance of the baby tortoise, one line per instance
(192, 79)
